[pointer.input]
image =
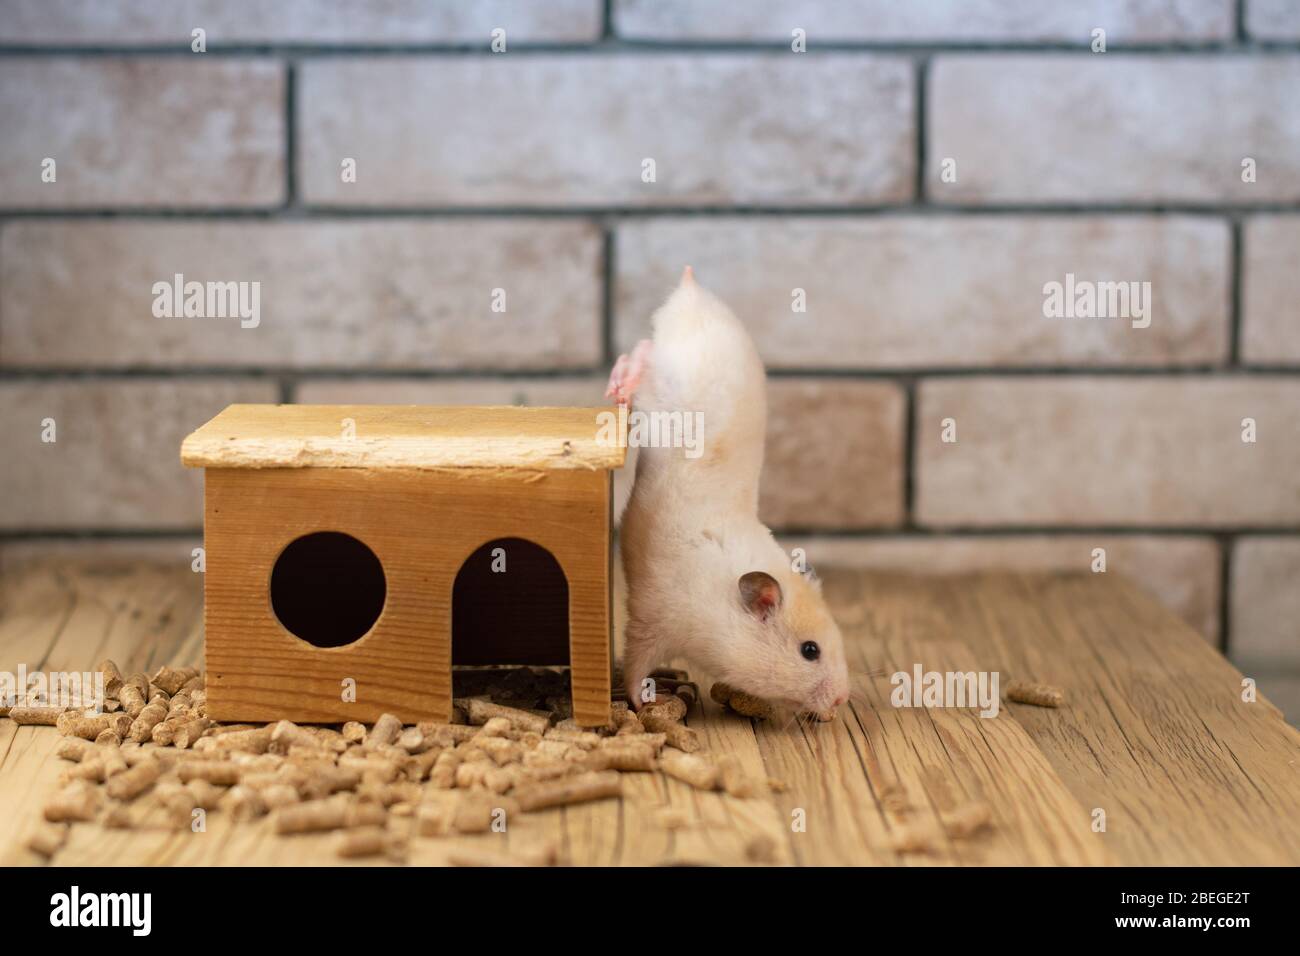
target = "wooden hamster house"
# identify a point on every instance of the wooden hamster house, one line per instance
(354, 553)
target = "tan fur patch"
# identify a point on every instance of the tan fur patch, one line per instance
(804, 612)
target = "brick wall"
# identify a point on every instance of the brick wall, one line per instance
(828, 171)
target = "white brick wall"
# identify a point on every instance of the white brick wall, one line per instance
(889, 21)
(544, 131)
(114, 461)
(142, 132)
(1117, 451)
(346, 22)
(1273, 19)
(927, 292)
(1114, 129)
(1270, 334)
(394, 293)
(775, 171)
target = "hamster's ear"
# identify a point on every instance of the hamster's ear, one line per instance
(760, 593)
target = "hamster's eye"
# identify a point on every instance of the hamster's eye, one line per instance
(810, 650)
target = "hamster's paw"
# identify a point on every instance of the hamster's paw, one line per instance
(628, 372)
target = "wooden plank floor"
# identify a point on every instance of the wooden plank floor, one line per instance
(1154, 734)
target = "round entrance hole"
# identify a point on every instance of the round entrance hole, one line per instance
(327, 588)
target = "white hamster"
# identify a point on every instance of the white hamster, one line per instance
(706, 579)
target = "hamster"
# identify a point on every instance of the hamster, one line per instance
(706, 580)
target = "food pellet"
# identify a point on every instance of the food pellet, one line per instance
(71, 724)
(189, 732)
(132, 694)
(112, 759)
(254, 741)
(74, 749)
(164, 733)
(91, 768)
(481, 711)
(47, 840)
(588, 786)
(112, 678)
(149, 717)
(678, 735)
(245, 803)
(367, 841)
(474, 813)
(120, 817)
(204, 794)
(354, 732)
(35, 716)
(218, 772)
(74, 802)
(131, 783)
(1039, 695)
(628, 724)
(411, 740)
(435, 819)
(628, 758)
(689, 768)
(747, 705)
(385, 731)
(279, 795)
(443, 774)
(169, 680)
(667, 705)
(331, 813)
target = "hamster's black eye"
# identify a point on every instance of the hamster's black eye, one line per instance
(810, 650)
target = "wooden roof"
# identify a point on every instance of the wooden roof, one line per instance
(405, 436)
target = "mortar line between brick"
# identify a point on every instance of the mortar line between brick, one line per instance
(909, 453)
(608, 244)
(922, 137)
(97, 534)
(910, 209)
(611, 45)
(607, 21)
(1234, 303)
(290, 134)
(902, 376)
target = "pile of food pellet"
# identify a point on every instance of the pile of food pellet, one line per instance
(152, 758)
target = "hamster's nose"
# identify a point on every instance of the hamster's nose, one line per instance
(841, 699)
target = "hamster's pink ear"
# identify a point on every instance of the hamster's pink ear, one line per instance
(760, 593)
